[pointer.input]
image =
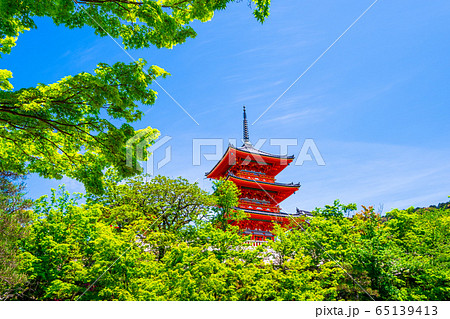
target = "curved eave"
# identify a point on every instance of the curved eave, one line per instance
(278, 163)
(221, 167)
(279, 187)
(271, 217)
(282, 191)
(266, 157)
(258, 233)
(280, 214)
(248, 148)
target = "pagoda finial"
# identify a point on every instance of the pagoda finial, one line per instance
(246, 139)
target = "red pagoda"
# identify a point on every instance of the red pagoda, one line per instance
(253, 171)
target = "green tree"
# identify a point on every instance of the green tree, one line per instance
(159, 203)
(14, 217)
(158, 209)
(65, 128)
(301, 276)
(375, 254)
(78, 251)
(331, 238)
(335, 210)
(226, 194)
(75, 251)
(200, 269)
(60, 129)
(422, 252)
(70, 253)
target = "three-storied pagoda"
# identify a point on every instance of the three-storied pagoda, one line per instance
(253, 171)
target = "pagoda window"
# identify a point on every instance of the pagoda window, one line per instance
(253, 172)
(258, 195)
(252, 166)
(255, 201)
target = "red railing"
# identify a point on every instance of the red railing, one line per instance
(257, 206)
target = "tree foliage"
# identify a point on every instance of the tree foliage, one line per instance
(226, 194)
(60, 129)
(14, 217)
(69, 248)
(138, 23)
(422, 261)
(158, 209)
(336, 210)
(115, 248)
(68, 128)
(161, 203)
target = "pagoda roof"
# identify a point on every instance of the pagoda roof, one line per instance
(247, 151)
(254, 214)
(279, 214)
(270, 184)
(302, 212)
(258, 232)
(283, 190)
(248, 148)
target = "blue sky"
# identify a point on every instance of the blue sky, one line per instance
(376, 104)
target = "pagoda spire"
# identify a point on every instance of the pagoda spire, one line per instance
(246, 139)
